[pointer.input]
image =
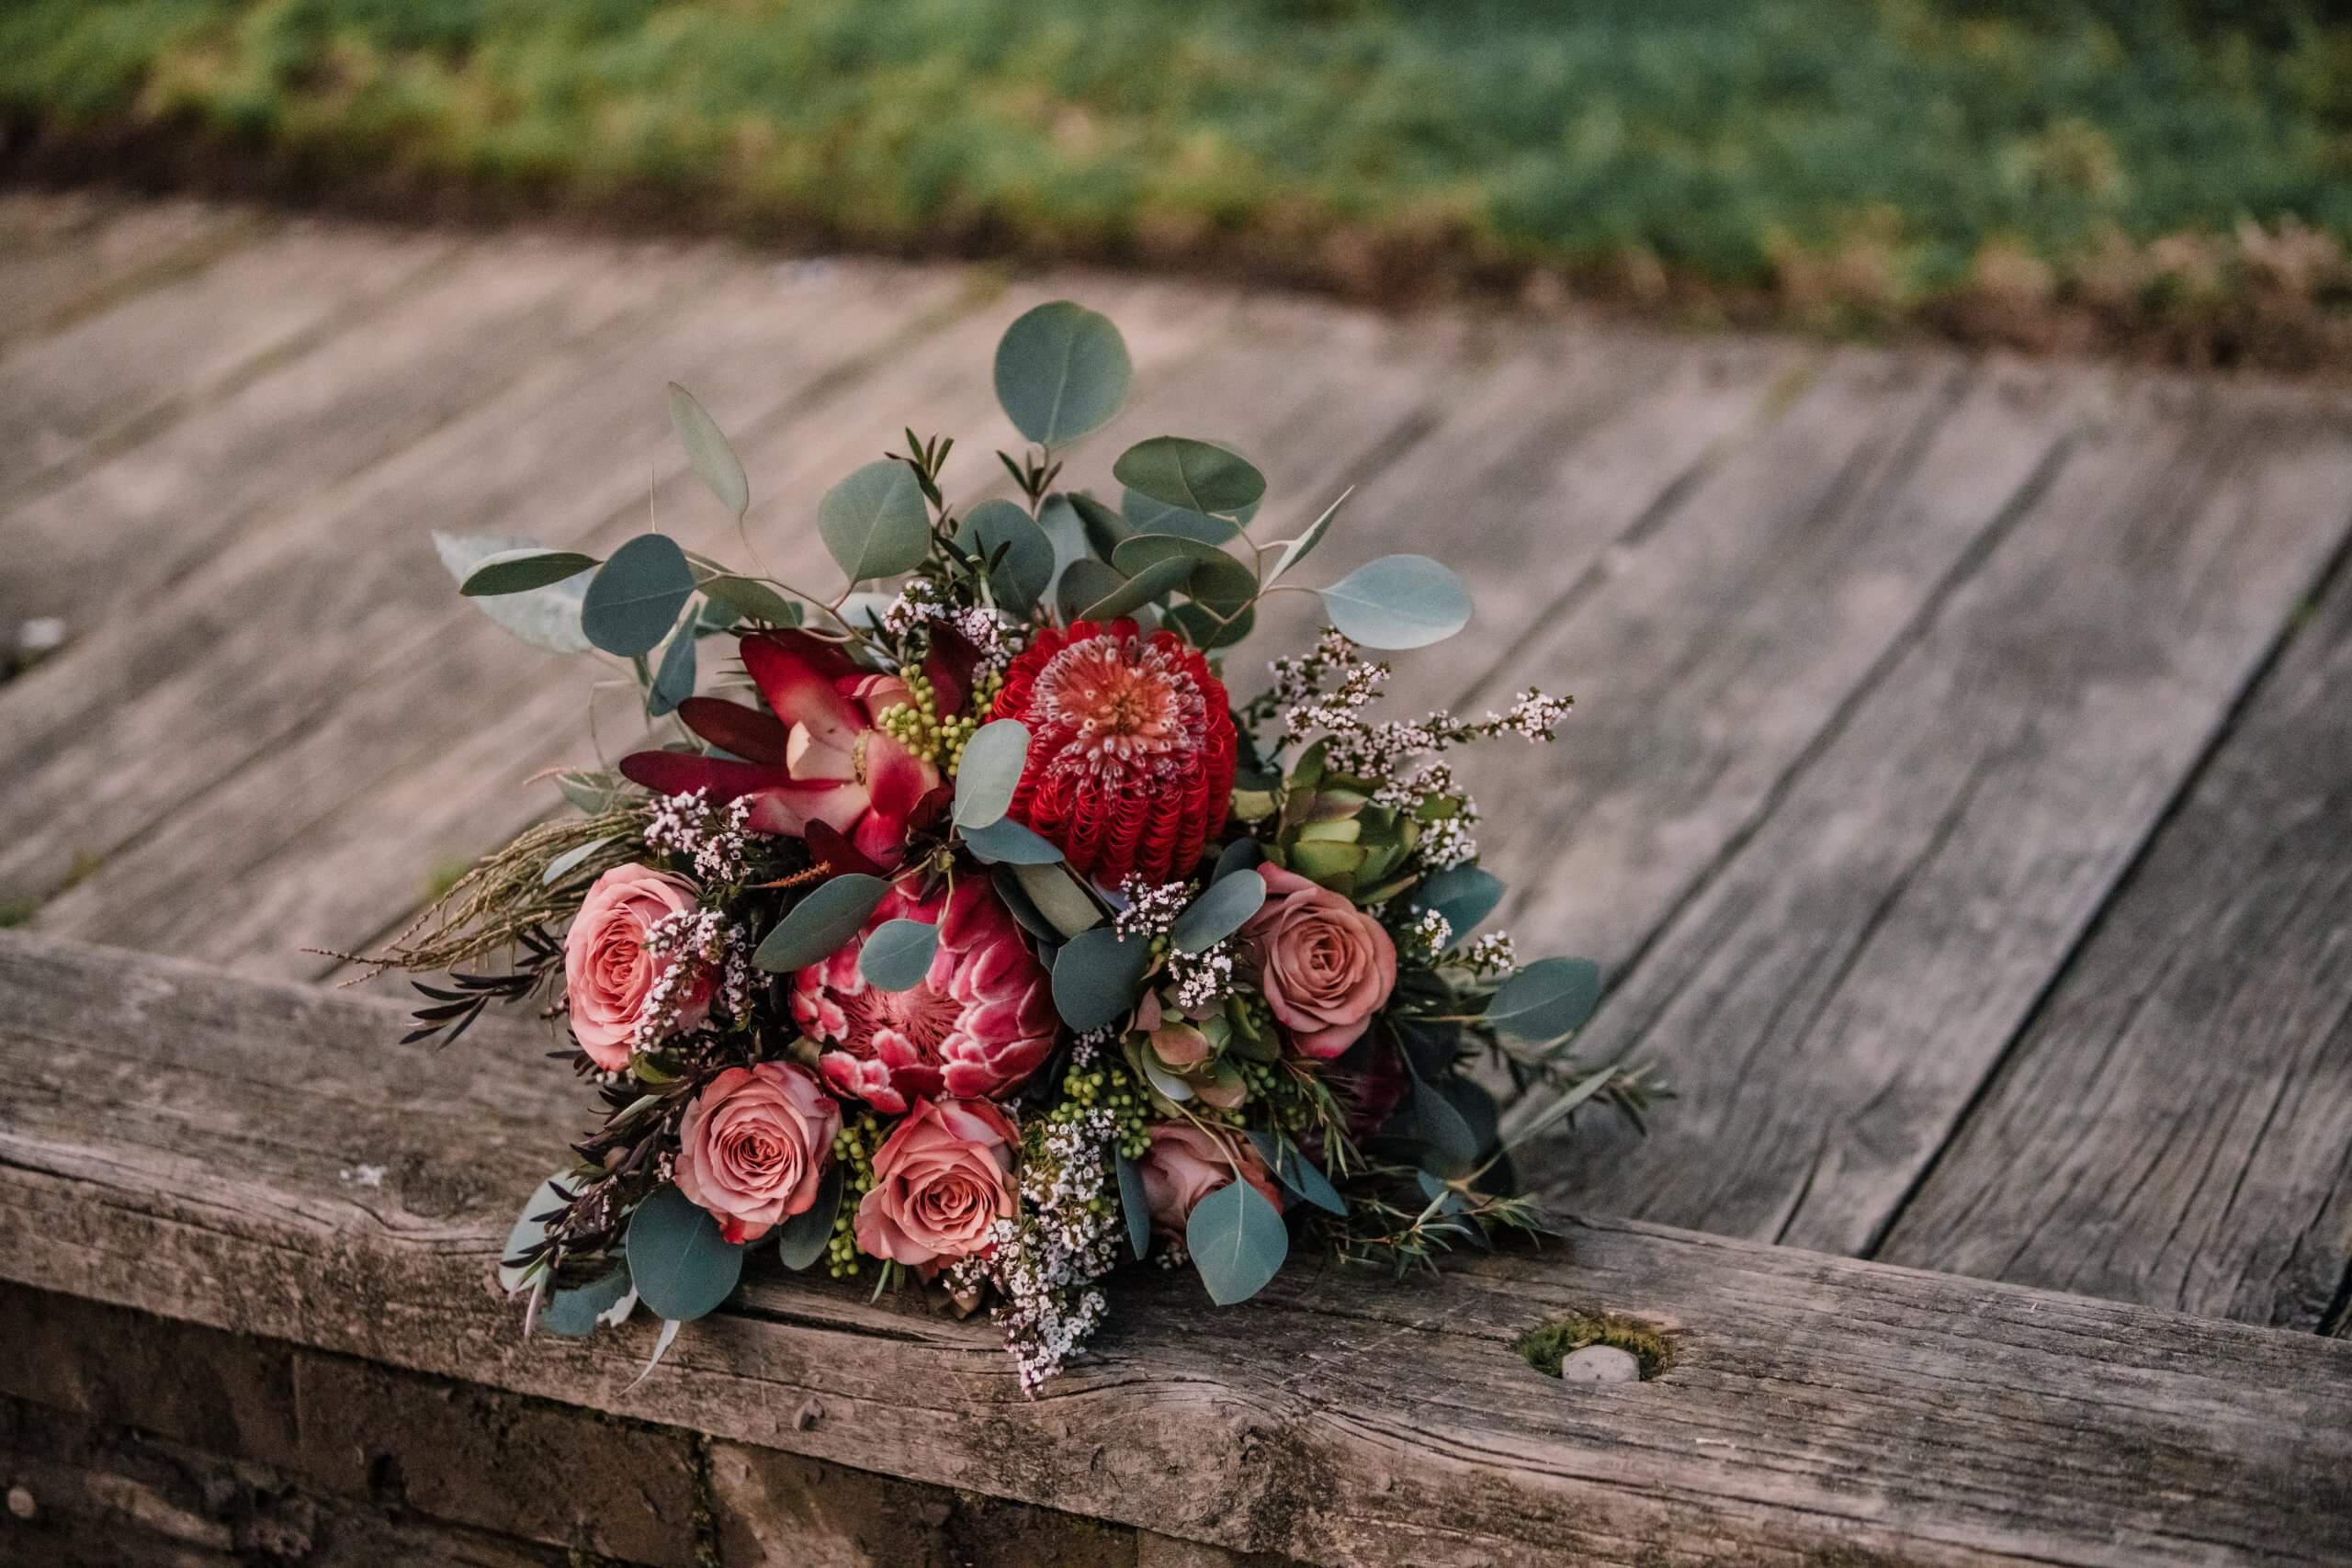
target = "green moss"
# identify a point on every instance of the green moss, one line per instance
(15, 912)
(1550, 1342)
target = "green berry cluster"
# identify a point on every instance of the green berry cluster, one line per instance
(853, 1147)
(919, 726)
(1109, 1085)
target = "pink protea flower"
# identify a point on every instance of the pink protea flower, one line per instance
(815, 756)
(974, 1027)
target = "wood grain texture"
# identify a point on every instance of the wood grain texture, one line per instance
(113, 377)
(2176, 1126)
(1834, 994)
(65, 256)
(187, 1144)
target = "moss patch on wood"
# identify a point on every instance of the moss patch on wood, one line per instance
(1550, 1342)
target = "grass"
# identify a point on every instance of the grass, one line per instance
(2174, 173)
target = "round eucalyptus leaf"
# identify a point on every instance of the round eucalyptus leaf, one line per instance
(990, 771)
(713, 462)
(1223, 584)
(529, 1230)
(1097, 978)
(875, 522)
(1007, 843)
(897, 955)
(1132, 593)
(1190, 474)
(1398, 602)
(1464, 894)
(681, 1263)
(1058, 896)
(1217, 913)
(1170, 1086)
(1026, 571)
(1449, 1142)
(1209, 632)
(674, 678)
(545, 617)
(1299, 548)
(520, 571)
(634, 599)
(804, 1238)
(1145, 515)
(1242, 854)
(751, 599)
(1085, 582)
(1101, 528)
(574, 1312)
(815, 928)
(1135, 1207)
(1061, 372)
(1141, 550)
(1547, 998)
(1238, 1241)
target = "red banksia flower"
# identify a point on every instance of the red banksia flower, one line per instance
(1131, 749)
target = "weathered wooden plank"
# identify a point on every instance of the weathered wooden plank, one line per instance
(130, 526)
(63, 256)
(260, 1158)
(1832, 997)
(205, 667)
(2176, 1126)
(111, 377)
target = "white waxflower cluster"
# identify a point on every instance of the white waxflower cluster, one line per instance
(1429, 935)
(1047, 1260)
(736, 983)
(716, 839)
(697, 942)
(922, 602)
(1492, 956)
(1449, 842)
(1152, 907)
(1202, 979)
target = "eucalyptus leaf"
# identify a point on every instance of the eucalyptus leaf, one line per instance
(1210, 632)
(634, 599)
(1398, 602)
(674, 678)
(1007, 843)
(815, 928)
(1242, 854)
(1058, 895)
(661, 1343)
(713, 459)
(1134, 593)
(1223, 584)
(875, 522)
(572, 1312)
(1061, 372)
(683, 1266)
(565, 863)
(990, 771)
(520, 571)
(1238, 1241)
(1170, 1086)
(1140, 550)
(1098, 976)
(1193, 475)
(805, 1237)
(1101, 527)
(546, 618)
(1136, 1206)
(1546, 1000)
(1021, 578)
(1025, 913)
(1452, 1144)
(1295, 1171)
(529, 1229)
(751, 599)
(1083, 582)
(591, 792)
(1145, 515)
(1299, 548)
(897, 955)
(1217, 913)
(1464, 894)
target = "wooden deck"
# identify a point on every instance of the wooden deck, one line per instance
(1959, 794)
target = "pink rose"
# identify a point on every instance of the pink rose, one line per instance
(753, 1145)
(1324, 965)
(608, 974)
(1185, 1164)
(941, 1179)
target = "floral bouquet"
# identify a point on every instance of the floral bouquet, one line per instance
(971, 934)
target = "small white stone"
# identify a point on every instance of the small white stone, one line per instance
(1601, 1363)
(21, 1503)
(42, 634)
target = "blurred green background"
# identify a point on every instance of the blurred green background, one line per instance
(2060, 173)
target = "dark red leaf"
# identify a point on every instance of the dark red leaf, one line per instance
(752, 735)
